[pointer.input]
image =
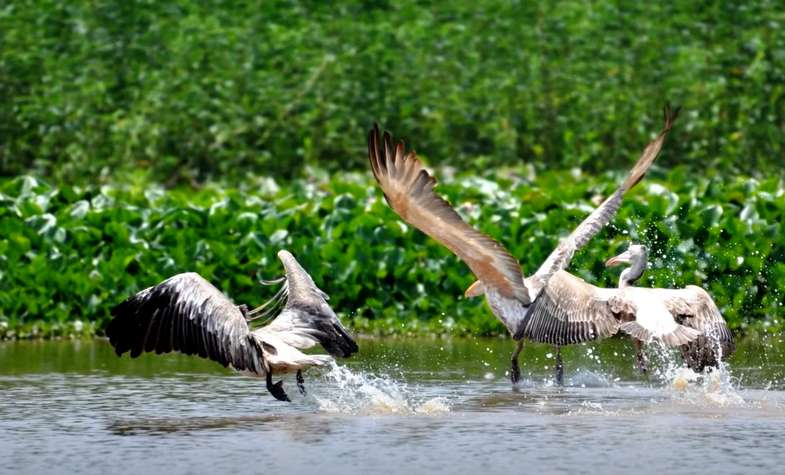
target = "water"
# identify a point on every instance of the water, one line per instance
(401, 406)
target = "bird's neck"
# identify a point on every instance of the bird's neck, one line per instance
(631, 274)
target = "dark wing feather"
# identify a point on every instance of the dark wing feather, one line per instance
(185, 313)
(408, 189)
(560, 258)
(568, 311)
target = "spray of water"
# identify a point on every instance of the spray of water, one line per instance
(348, 392)
(713, 386)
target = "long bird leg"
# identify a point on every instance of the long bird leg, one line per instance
(300, 382)
(640, 358)
(559, 367)
(276, 389)
(515, 369)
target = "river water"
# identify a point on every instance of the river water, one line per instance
(399, 406)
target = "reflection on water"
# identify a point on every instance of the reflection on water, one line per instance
(401, 406)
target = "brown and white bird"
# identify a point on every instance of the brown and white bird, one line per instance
(655, 312)
(552, 306)
(186, 313)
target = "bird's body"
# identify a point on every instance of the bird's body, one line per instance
(651, 315)
(186, 313)
(551, 306)
(658, 310)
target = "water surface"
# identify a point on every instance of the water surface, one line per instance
(400, 406)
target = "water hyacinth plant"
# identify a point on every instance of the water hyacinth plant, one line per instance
(69, 253)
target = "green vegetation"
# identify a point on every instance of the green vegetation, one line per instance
(197, 90)
(71, 253)
(139, 139)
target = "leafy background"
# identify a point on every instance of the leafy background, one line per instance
(205, 89)
(70, 253)
(139, 139)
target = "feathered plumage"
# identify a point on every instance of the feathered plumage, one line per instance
(551, 306)
(186, 313)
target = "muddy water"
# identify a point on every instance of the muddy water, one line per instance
(401, 406)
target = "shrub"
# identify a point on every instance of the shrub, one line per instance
(69, 254)
(193, 90)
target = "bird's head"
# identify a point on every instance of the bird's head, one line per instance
(635, 256)
(635, 253)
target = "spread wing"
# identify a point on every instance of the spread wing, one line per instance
(690, 307)
(408, 189)
(568, 310)
(652, 314)
(307, 319)
(185, 313)
(560, 258)
(694, 308)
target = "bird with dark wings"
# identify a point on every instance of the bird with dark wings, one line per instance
(186, 313)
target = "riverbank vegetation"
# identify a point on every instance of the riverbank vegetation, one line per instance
(139, 139)
(69, 254)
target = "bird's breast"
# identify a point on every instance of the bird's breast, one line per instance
(511, 312)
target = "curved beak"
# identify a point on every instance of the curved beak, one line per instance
(623, 258)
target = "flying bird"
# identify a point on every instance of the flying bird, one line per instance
(552, 306)
(186, 313)
(655, 311)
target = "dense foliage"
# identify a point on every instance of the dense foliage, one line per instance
(69, 254)
(194, 89)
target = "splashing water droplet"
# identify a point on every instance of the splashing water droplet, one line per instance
(714, 386)
(366, 394)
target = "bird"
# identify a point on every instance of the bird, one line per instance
(552, 306)
(691, 307)
(186, 313)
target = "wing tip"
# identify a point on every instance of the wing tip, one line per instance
(670, 114)
(652, 150)
(408, 186)
(390, 162)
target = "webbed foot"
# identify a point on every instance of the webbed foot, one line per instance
(276, 389)
(559, 368)
(642, 363)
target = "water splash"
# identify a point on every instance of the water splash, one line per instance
(368, 394)
(586, 378)
(713, 386)
(591, 408)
